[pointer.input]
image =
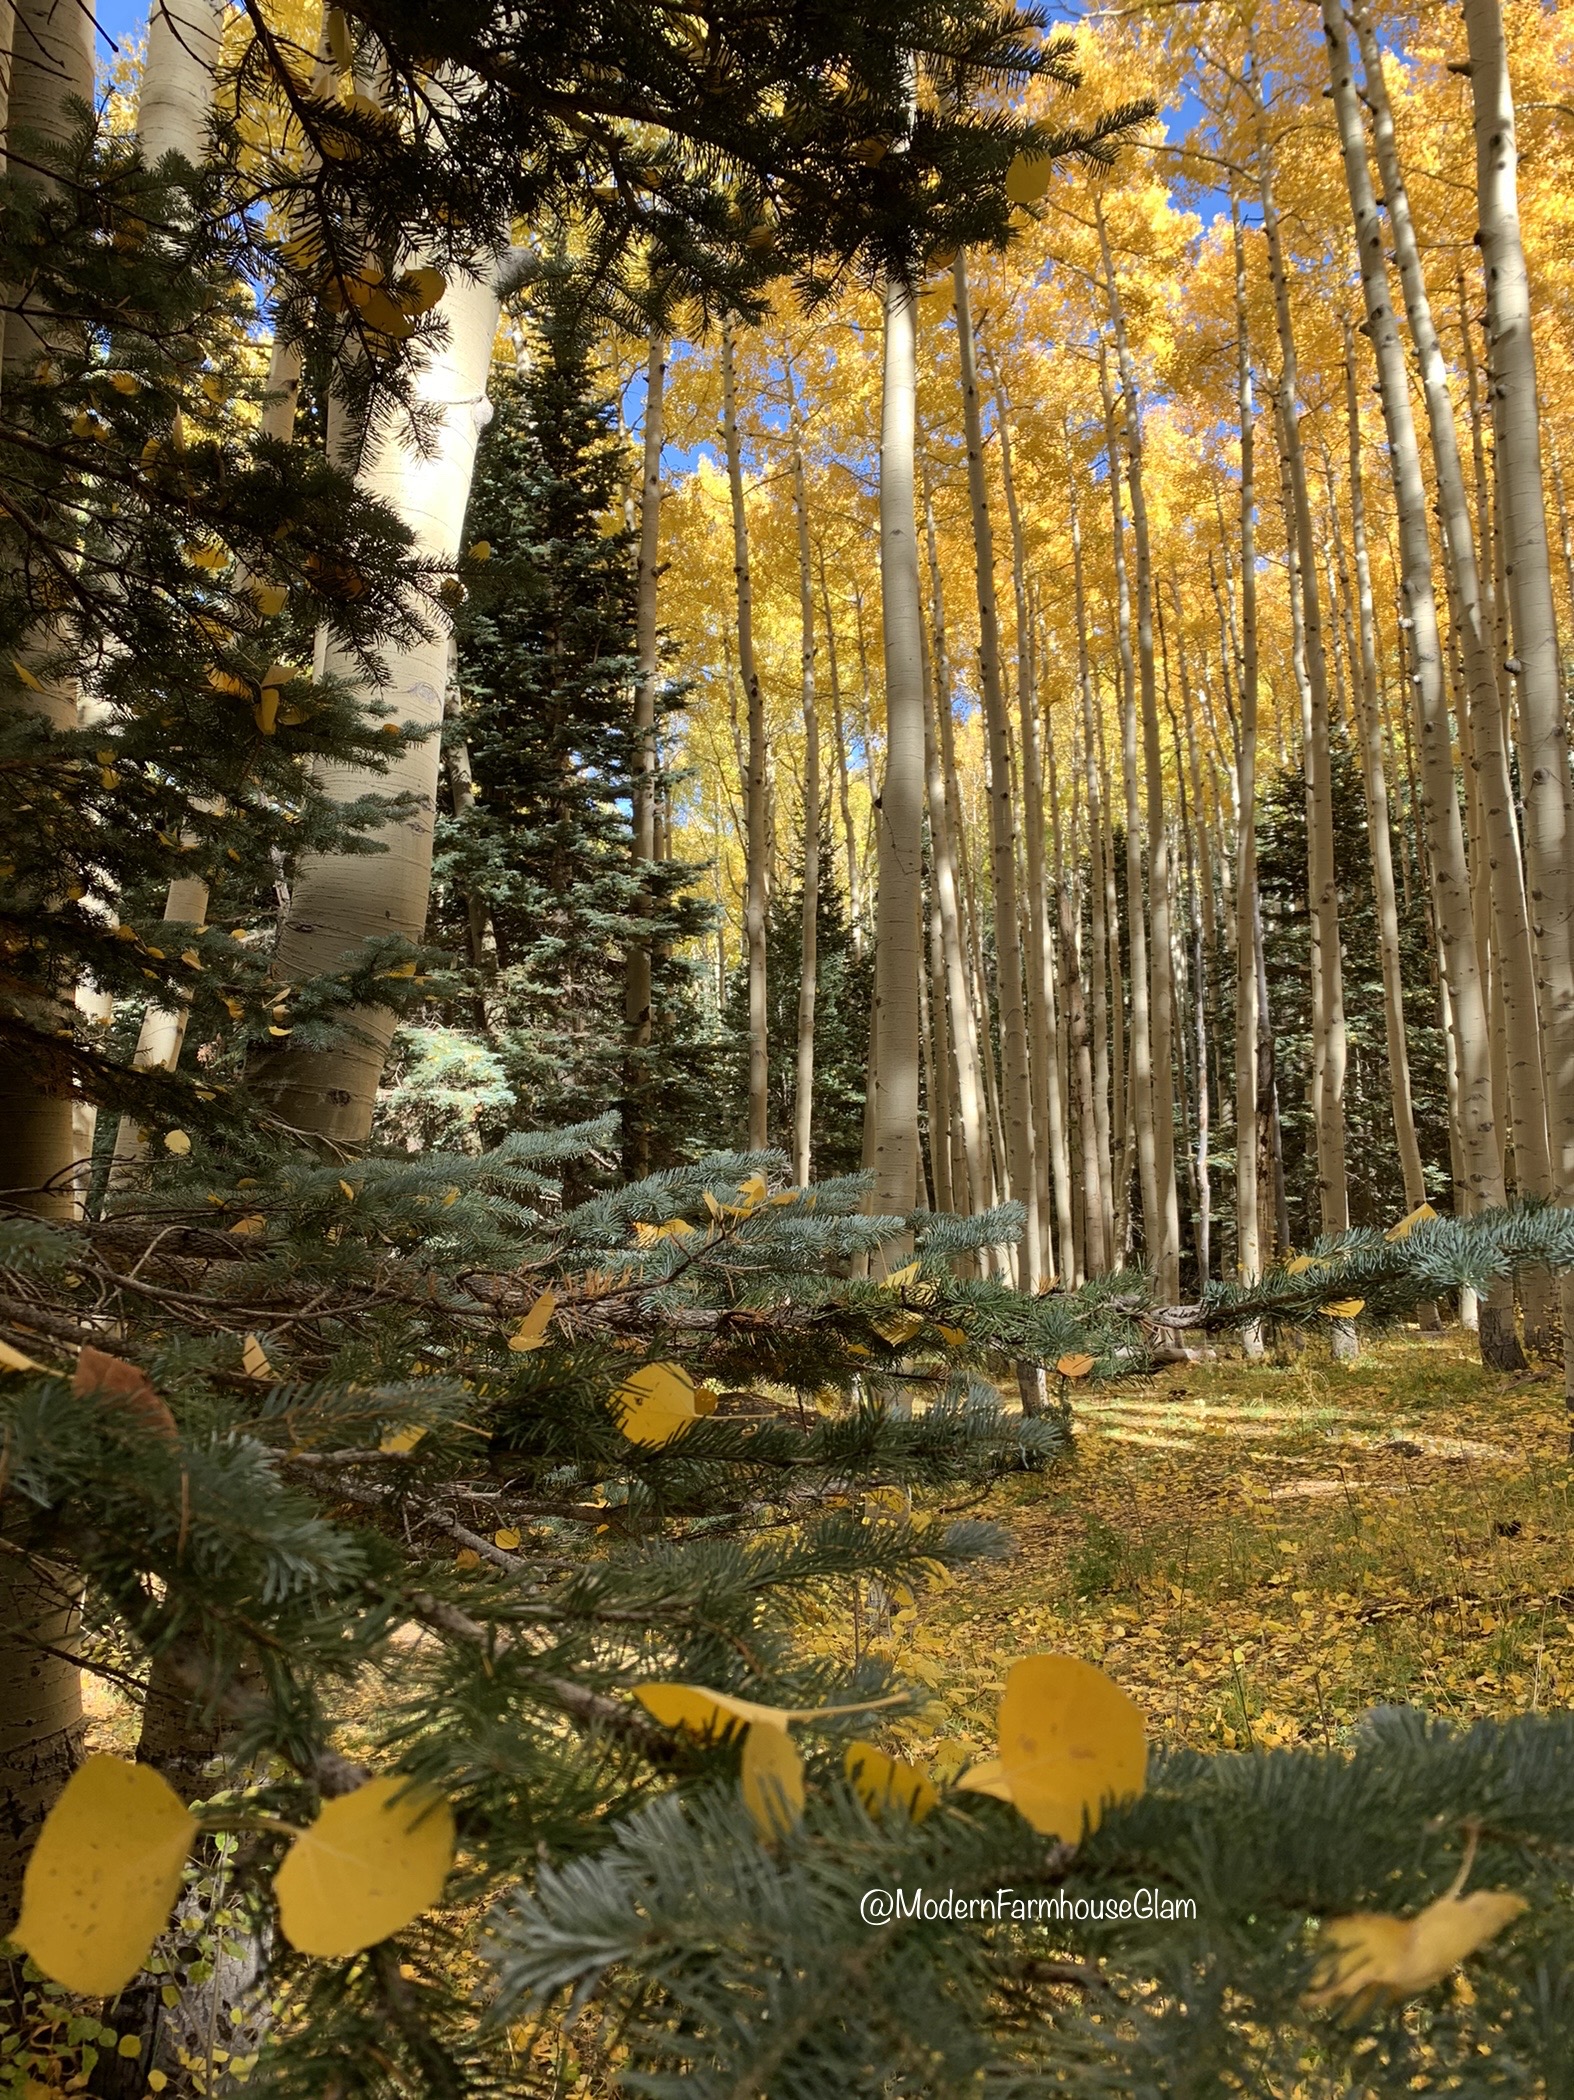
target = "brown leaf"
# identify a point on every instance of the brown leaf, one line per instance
(123, 1389)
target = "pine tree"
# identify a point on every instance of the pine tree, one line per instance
(536, 879)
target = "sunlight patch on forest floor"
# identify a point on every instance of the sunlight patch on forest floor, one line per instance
(1261, 1552)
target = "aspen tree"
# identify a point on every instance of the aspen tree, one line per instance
(1164, 1231)
(1099, 1187)
(1510, 920)
(1328, 1023)
(1378, 832)
(1017, 1103)
(1139, 1119)
(1048, 1094)
(898, 942)
(638, 1015)
(1479, 1143)
(803, 1097)
(754, 783)
(843, 785)
(1543, 741)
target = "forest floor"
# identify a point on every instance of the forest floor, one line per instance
(1259, 1552)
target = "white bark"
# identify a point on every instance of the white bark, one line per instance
(176, 103)
(803, 1098)
(340, 901)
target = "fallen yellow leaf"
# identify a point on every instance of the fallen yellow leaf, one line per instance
(879, 1781)
(371, 1862)
(1373, 1957)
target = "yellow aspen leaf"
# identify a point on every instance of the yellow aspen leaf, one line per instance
(532, 1329)
(103, 1875)
(129, 2045)
(896, 1327)
(13, 1360)
(230, 682)
(1301, 1264)
(953, 1337)
(249, 1226)
(450, 1198)
(157, 2080)
(1071, 1742)
(397, 1442)
(1373, 1957)
(1343, 1308)
(480, 551)
(753, 1194)
(673, 1229)
(404, 969)
(347, 1191)
(371, 1862)
(772, 1779)
(270, 599)
(713, 1206)
(467, 1557)
(191, 958)
(988, 1776)
(656, 1404)
(25, 675)
(507, 1538)
(1028, 177)
(1076, 1365)
(1423, 1214)
(881, 1781)
(900, 1278)
(176, 1141)
(266, 712)
(124, 382)
(254, 1359)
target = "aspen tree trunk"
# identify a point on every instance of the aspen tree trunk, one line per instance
(1479, 1142)
(1515, 957)
(758, 870)
(939, 774)
(1543, 741)
(1164, 1251)
(175, 106)
(898, 903)
(1099, 1188)
(942, 1099)
(1048, 1095)
(340, 901)
(803, 1098)
(1021, 1169)
(1379, 836)
(1328, 985)
(844, 791)
(638, 1014)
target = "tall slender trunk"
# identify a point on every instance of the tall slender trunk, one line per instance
(1480, 1145)
(1164, 1250)
(1099, 1192)
(1139, 1121)
(1049, 1099)
(1328, 980)
(339, 901)
(638, 1011)
(898, 905)
(1021, 1168)
(1515, 956)
(1543, 741)
(175, 106)
(758, 871)
(1379, 836)
(946, 909)
(803, 1097)
(844, 790)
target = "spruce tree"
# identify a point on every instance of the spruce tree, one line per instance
(536, 883)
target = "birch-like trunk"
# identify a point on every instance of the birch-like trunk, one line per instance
(1328, 1022)
(1164, 1241)
(175, 106)
(1479, 1142)
(1021, 1170)
(340, 901)
(1514, 952)
(1139, 1120)
(1098, 1190)
(948, 909)
(803, 1098)
(1048, 1099)
(757, 889)
(843, 785)
(898, 903)
(1379, 835)
(1543, 740)
(638, 1013)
